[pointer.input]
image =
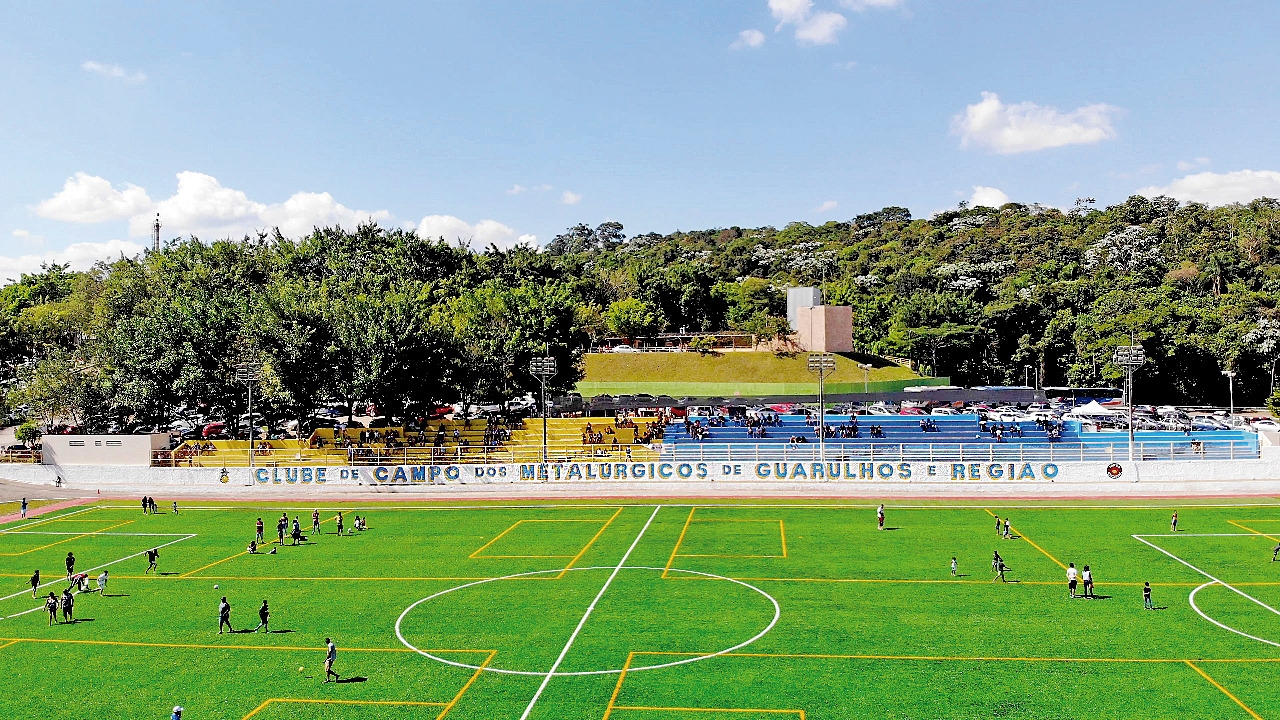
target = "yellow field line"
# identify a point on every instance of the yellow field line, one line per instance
(299, 701)
(456, 698)
(590, 542)
(740, 557)
(77, 537)
(676, 549)
(909, 581)
(11, 642)
(961, 658)
(797, 713)
(1014, 530)
(782, 532)
(1255, 532)
(219, 562)
(198, 646)
(617, 688)
(1226, 692)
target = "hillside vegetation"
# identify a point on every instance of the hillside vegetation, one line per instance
(404, 322)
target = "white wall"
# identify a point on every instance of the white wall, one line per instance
(132, 450)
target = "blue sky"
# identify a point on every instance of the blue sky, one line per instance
(503, 121)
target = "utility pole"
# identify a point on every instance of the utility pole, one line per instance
(248, 374)
(822, 364)
(543, 368)
(1130, 357)
(155, 234)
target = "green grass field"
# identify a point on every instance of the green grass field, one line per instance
(747, 373)
(659, 611)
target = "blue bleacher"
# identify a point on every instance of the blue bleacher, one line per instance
(951, 430)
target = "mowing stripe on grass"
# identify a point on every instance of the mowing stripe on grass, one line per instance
(44, 520)
(565, 651)
(75, 536)
(99, 567)
(1225, 691)
(210, 646)
(591, 542)
(1014, 530)
(957, 658)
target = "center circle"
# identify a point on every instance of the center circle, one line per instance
(777, 613)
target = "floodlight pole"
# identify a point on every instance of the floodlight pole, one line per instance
(822, 364)
(543, 368)
(1130, 357)
(248, 374)
(1231, 394)
(866, 377)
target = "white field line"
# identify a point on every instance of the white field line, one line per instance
(1181, 535)
(37, 521)
(1192, 599)
(1174, 503)
(574, 636)
(113, 562)
(1228, 586)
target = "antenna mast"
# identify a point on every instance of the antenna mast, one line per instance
(155, 233)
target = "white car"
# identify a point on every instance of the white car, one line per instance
(623, 349)
(1265, 425)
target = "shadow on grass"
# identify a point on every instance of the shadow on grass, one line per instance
(356, 679)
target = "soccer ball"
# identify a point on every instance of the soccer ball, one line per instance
(299, 669)
(215, 587)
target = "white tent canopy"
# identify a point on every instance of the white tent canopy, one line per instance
(1095, 409)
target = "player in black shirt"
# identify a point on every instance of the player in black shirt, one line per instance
(264, 615)
(71, 565)
(224, 615)
(152, 555)
(51, 604)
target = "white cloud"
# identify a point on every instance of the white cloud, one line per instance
(1185, 165)
(26, 238)
(201, 206)
(516, 189)
(748, 39)
(114, 71)
(827, 206)
(790, 11)
(821, 29)
(81, 256)
(88, 199)
(987, 197)
(479, 236)
(1025, 127)
(1221, 188)
(861, 5)
(816, 29)
(570, 198)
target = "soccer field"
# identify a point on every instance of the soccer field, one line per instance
(651, 611)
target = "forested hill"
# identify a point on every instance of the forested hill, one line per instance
(386, 316)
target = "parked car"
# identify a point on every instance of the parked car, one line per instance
(623, 349)
(1265, 424)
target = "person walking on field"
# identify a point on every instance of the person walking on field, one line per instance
(1087, 577)
(71, 565)
(175, 507)
(1146, 597)
(68, 606)
(102, 582)
(152, 556)
(1173, 522)
(315, 522)
(880, 517)
(330, 656)
(51, 605)
(997, 524)
(339, 524)
(224, 615)
(24, 508)
(258, 527)
(264, 617)
(1000, 568)
(146, 505)
(953, 566)
(1072, 574)
(1275, 552)
(1006, 528)
(35, 582)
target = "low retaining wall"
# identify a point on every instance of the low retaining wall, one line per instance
(922, 478)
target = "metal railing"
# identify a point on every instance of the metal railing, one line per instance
(962, 452)
(720, 452)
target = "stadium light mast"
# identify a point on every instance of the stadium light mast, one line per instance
(248, 374)
(866, 377)
(822, 365)
(1231, 394)
(543, 368)
(1130, 357)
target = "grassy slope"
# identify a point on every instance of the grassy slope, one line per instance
(729, 367)
(837, 615)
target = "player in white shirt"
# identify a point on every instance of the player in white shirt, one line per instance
(1072, 575)
(1087, 577)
